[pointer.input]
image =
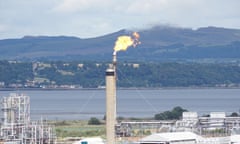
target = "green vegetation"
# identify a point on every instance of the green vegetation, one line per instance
(78, 129)
(234, 114)
(95, 127)
(12, 72)
(176, 113)
(94, 121)
(92, 75)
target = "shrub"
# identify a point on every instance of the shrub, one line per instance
(176, 113)
(94, 121)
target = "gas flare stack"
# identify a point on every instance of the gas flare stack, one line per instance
(122, 43)
(111, 102)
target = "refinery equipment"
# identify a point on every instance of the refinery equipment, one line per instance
(16, 126)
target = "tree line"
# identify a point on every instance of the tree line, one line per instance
(142, 74)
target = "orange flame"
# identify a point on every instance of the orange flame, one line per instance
(123, 42)
(136, 35)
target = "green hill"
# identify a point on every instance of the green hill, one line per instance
(158, 44)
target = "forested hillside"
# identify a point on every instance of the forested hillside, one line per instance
(157, 44)
(92, 74)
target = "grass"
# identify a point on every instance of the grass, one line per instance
(81, 128)
(78, 129)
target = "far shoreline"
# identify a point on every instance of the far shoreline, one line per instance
(119, 88)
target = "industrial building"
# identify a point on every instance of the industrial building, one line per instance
(217, 128)
(186, 138)
(16, 126)
(217, 124)
(235, 139)
(171, 138)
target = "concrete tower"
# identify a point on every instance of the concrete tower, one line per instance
(111, 102)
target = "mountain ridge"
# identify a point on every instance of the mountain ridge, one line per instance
(158, 43)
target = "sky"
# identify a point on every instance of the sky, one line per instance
(92, 18)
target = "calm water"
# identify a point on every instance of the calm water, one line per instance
(83, 104)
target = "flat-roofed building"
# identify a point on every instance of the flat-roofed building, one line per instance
(235, 139)
(170, 138)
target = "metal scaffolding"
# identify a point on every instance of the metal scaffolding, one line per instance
(16, 126)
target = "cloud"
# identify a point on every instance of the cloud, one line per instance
(71, 6)
(187, 13)
(3, 28)
(89, 18)
(146, 6)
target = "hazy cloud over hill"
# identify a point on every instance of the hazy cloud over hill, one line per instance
(91, 18)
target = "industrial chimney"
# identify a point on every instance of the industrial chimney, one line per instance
(122, 43)
(111, 101)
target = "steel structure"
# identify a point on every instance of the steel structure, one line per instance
(16, 126)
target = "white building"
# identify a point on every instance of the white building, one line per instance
(235, 139)
(187, 138)
(170, 138)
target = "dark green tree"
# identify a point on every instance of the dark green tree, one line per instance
(176, 113)
(234, 114)
(94, 121)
